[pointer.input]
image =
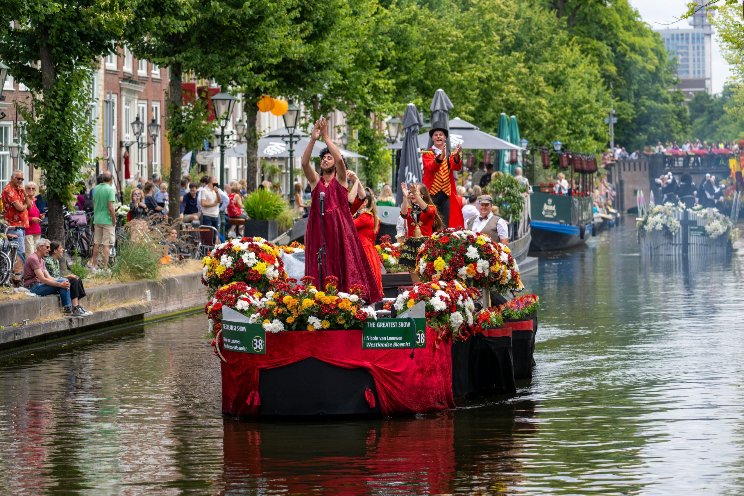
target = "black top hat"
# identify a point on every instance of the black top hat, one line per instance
(431, 131)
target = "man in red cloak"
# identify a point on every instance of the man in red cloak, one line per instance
(440, 180)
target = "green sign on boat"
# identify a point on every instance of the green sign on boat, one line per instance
(394, 333)
(243, 337)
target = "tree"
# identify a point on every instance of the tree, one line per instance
(51, 47)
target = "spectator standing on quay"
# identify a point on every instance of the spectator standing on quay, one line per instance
(16, 205)
(210, 203)
(33, 233)
(37, 280)
(104, 220)
(470, 210)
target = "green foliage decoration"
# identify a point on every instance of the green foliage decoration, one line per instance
(137, 260)
(263, 204)
(508, 195)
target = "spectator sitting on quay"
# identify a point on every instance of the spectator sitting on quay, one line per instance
(77, 291)
(190, 205)
(37, 280)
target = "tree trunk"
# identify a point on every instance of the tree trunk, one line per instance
(251, 142)
(56, 229)
(174, 184)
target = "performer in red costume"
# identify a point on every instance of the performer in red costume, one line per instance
(334, 232)
(440, 180)
(367, 225)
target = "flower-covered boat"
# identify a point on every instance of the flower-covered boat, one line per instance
(288, 348)
(675, 230)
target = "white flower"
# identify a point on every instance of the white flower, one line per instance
(244, 303)
(254, 319)
(274, 326)
(371, 314)
(471, 253)
(456, 320)
(504, 257)
(438, 304)
(226, 260)
(401, 301)
(462, 272)
(482, 266)
(315, 322)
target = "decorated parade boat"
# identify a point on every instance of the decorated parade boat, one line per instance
(560, 221)
(290, 349)
(677, 231)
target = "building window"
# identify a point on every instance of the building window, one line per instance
(9, 83)
(155, 70)
(93, 116)
(127, 60)
(6, 166)
(156, 146)
(142, 67)
(142, 152)
(111, 59)
(126, 124)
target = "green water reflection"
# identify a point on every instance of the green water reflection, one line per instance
(638, 390)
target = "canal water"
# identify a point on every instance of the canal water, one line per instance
(638, 390)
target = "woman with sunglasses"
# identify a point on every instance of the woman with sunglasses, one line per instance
(137, 207)
(33, 233)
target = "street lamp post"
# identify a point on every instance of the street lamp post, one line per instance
(153, 130)
(15, 150)
(290, 122)
(223, 107)
(393, 131)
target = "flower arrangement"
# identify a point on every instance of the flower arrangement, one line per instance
(520, 308)
(293, 247)
(289, 307)
(472, 258)
(449, 306)
(488, 318)
(236, 295)
(715, 223)
(254, 261)
(389, 253)
(662, 218)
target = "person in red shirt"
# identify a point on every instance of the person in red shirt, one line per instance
(367, 225)
(422, 220)
(440, 180)
(16, 210)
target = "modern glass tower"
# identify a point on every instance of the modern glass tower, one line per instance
(691, 48)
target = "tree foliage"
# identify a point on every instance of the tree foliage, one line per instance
(51, 47)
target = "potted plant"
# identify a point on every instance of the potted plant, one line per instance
(263, 208)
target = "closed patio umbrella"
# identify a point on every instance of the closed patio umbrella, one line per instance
(410, 169)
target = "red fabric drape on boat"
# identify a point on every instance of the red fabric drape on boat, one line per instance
(404, 384)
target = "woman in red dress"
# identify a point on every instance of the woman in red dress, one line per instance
(344, 256)
(367, 225)
(422, 220)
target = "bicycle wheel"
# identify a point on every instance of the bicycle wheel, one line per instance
(6, 268)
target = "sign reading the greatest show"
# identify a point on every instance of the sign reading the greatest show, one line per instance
(394, 333)
(243, 338)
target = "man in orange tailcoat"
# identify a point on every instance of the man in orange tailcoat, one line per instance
(439, 179)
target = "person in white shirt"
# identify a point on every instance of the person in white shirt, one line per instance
(489, 223)
(210, 203)
(561, 185)
(469, 210)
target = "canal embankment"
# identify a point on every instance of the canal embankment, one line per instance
(33, 319)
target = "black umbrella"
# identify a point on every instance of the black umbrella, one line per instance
(440, 107)
(410, 169)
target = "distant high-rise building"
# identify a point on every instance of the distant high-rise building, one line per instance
(691, 47)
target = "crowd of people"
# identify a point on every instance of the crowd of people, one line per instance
(709, 193)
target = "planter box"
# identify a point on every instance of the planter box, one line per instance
(523, 346)
(267, 229)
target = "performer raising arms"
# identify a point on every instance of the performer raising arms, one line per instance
(421, 218)
(344, 255)
(440, 180)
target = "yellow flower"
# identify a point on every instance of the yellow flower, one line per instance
(220, 270)
(411, 302)
(307, 303)
(320, 295)
(310, 327)
(470, 270)
(236, 248)
(506, 249)
(385, 256)
(288, 300)
(206, 260)
(480, 241)
(325, 324)
(344, 305)
(290, 320)
(341, 320)
(260, 267)
(436, 287)
(267, 321)
(439, 264)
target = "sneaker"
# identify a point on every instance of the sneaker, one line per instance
(67, 311)
(84, 310)
(78, 311)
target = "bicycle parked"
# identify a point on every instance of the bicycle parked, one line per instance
(8, 255)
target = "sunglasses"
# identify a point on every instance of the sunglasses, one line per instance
(33, 189)
(19, 179)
